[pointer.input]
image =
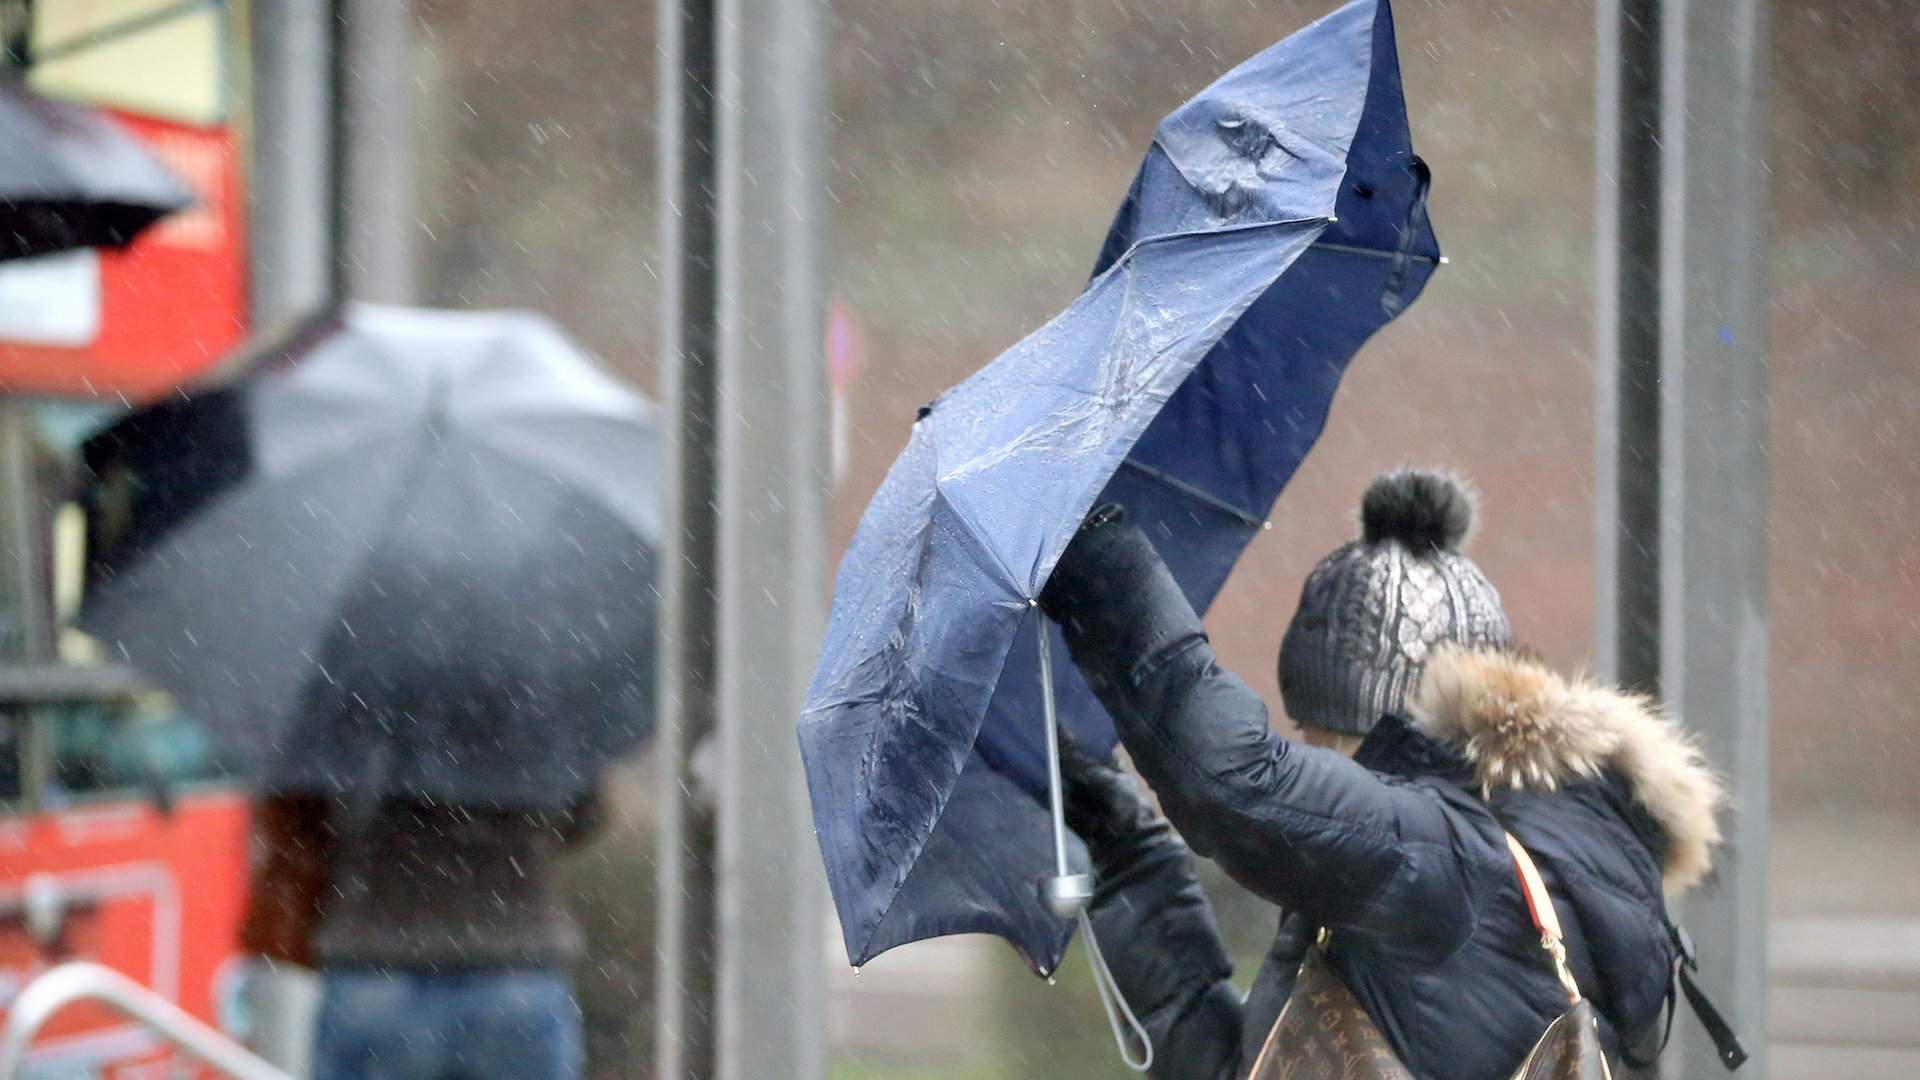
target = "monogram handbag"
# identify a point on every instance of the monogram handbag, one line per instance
(1570, 1049)
(1322, 1033)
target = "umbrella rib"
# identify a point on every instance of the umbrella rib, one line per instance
(1320, 221)
(1193, 492)
(1374, 253)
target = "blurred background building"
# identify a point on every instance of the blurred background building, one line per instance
(976, 154)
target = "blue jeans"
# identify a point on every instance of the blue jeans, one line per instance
(489, 1024)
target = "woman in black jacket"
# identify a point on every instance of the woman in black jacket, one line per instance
(1398, 853)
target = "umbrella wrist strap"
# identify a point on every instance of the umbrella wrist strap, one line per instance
(1111, 999)
(1115, 1004)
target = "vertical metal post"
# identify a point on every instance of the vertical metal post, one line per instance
(685, 858)
(1627, 327)
(1682, 339)
(375, 88)
(292, 188)
(1713, 479)
(26, 608)
(26, 616)
(772, 483)
(16, 37)
(25, 621)
(290, 224)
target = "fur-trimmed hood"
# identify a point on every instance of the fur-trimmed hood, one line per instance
(1520, 725)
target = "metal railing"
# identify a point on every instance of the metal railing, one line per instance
(65, 984)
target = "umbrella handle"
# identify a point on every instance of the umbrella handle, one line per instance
(1065, 894)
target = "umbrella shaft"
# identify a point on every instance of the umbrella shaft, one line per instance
(1055, 796)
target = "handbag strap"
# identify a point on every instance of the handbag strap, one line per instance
(1539, 905)
(1545, 919)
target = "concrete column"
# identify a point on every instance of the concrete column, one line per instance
(292, 204)
(771, 426)
(377, 228)
(1713, 480)
(1682, 495)
(742, 913)
(291, 179)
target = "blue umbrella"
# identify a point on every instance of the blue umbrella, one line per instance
(1277, 221)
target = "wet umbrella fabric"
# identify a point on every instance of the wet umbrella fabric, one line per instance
(1188, 380)
(411, 553)
(70, 177)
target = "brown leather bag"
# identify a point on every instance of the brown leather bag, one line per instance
(1570, 1049)
(1322, 1033)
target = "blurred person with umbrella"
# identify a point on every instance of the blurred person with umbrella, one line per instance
(400, 563)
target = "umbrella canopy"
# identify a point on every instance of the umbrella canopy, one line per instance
(70, 177)
(1277, 221)
(407, 552)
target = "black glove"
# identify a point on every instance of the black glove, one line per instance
(1115, 600)
(1083, 560)
(1106, 808)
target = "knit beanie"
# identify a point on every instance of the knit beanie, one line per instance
(1372, 611)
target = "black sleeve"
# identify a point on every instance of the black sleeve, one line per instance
(1300, 826)
(1157, 933)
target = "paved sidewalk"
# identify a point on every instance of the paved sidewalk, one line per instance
(1844, 949)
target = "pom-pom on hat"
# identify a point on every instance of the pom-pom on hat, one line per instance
(1373, 610)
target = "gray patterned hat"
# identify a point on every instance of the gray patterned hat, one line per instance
(1372, 611)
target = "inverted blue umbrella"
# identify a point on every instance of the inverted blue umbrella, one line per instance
(1277, 221)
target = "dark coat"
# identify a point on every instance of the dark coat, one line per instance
(411, 884)
(1398, 853)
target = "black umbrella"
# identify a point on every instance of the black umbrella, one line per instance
(70, 177)
(407, 552)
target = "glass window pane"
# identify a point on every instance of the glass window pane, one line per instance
(143, 745)
(170, 67)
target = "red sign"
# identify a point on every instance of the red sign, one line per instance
(136, 322)
(156, 896)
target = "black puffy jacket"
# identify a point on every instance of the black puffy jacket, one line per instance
(1399, 853)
